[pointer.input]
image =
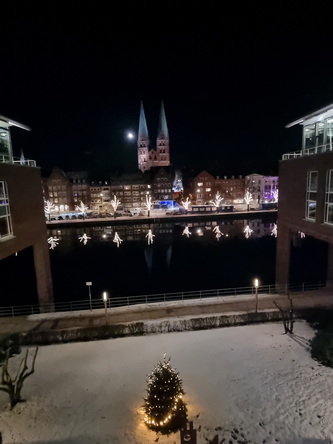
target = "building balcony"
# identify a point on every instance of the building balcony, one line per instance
(308, 151)
(17, 161)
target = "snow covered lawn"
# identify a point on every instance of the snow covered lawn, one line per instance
(249, 384)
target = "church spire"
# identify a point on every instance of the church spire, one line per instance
(143, 131)
(143, 142)
(162, 128)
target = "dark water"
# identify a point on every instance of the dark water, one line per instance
(173, 262)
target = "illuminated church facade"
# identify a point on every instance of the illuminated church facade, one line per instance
(153, 157)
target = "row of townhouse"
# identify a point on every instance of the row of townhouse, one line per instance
(67, 190)
(204, 187)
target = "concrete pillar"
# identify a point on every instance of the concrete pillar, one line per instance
(43, 274)
(283, 242)
(329, 274)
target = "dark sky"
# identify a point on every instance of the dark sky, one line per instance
(230, 79)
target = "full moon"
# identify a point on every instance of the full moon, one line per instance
(130, 136)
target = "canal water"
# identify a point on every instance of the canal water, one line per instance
(180, 256)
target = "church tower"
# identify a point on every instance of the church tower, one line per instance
(143, 142)
(159, 157)
(162, 142)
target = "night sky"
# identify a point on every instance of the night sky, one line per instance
(230, 81)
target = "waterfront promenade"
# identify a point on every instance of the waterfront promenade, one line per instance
(145, 313)
(158, 216)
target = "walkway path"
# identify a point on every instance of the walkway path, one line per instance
(134, 313)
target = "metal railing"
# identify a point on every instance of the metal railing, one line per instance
(178, 297)
(308, 151)
(17, 161)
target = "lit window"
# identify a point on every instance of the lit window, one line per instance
(6, 230)
(208, 190)
(311, 195)
(329, 198)
(200, 184)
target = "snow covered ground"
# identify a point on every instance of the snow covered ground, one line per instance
(249, 384)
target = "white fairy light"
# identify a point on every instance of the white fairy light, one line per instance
(49, 207)
(115, 202)
(150, 237)
(186, 232)
(186, 204)
(53, 241)
(82, 208)
(274, 230)
(217, 232)
(117, 239)
(148, 204)
(218, 200)
(248, 231)
(248, 197)
(84, 238)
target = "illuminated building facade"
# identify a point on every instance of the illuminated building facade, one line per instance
(153, 157)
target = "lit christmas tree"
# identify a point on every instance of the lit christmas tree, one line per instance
(164, 407)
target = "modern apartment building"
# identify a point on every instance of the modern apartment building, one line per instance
(22, 221)
(306, 191)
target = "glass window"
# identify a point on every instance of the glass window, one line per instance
(329, 132)
(311, 195)
(319, 133)
(328, 219)
(309, 136)
(6, 230)
(5, 151)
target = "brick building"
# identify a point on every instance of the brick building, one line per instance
(306, 191)
(22, 221)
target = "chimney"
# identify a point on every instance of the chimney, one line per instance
(225, 177)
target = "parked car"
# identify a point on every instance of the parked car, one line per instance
(172, 212)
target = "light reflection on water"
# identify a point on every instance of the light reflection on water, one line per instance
(216, 254)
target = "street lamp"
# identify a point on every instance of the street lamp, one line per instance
(105, 299)
(89, 284)
(256, 285)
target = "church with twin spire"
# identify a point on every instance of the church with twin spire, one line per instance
(153, 157)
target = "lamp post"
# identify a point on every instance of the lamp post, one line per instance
(105, 299)
(89, 284)
(256, 285)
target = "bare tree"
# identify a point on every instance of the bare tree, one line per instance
(115, 202)
(247, 199)
(49, 207)
(148, 203)
(13, 384)
(82, 208)
(287, 316)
